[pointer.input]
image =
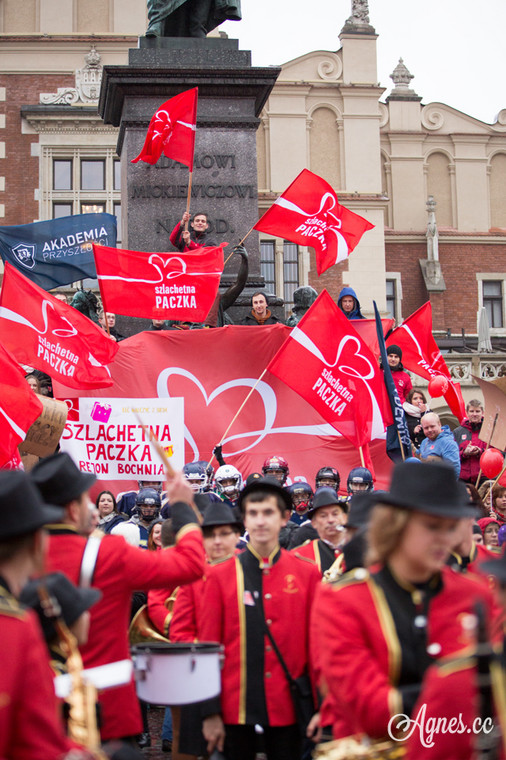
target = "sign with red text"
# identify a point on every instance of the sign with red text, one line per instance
(108, 437)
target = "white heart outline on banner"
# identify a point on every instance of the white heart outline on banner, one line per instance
(262, 388)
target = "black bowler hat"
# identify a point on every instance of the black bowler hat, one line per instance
(60, 480)
(269, 486)
(71, 599)
(21, 507)
(429, 488)
(361, 504)
(325, 497)
(218, 513)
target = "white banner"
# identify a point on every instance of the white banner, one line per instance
(108, 438)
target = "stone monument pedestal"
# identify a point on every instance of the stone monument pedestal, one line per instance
(231, 96)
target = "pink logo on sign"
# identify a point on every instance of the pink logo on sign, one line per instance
(100, 412)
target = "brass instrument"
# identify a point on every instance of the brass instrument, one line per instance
(82, 722)
(356, 748)
(142, 628)
(335, 570)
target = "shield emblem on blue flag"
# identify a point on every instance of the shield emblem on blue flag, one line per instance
(25, 254)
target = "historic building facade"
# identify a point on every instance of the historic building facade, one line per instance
(430, 178)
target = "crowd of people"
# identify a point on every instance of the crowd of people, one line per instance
(344, 613)
(354, 600)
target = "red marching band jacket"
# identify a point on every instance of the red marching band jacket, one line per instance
(121, 569)
(360, 654)
(288, 587)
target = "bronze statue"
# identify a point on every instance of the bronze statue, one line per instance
(189, 18)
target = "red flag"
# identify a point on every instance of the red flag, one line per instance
(159, 285)
(171, 131)
(326, 362)
(52, 336)
(19, 407)
(309, 213)
(421, 355)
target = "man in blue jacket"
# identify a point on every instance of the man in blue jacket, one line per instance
(439, 442)
(349, 304)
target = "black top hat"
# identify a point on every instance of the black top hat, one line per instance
(21, 506)
(496, 567)
(72, 600)
(429, 488)
(60, 480)
(361, 504)
(218, 513)
(269, 486)
(325, 497)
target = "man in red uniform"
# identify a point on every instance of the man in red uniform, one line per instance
(328, 518)
(264, 587)
(29, 725)
(117, 569)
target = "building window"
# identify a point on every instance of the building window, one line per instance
(79, 181)
(61, 209)
(117, 214)
(62, 175)
(92, 175)
(117, 174)
(493, 302)
(290, 273)
(268, 265)
(91, 207)
(391, 298)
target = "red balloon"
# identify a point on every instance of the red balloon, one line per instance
(438, 386)
(491, 463)
(502, 480)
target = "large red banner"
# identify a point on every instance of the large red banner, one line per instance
(159, 285)
(213, 371)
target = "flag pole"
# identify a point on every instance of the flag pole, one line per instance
(401, 446)
(237, 246)
(169, 470)
(188, 197)
(239, 411)
(362, 460)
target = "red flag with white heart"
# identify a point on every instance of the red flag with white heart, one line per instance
(308, 213)
(19, 406)
(174, 285)
(41, 331)
(341, 378)
(172, 130)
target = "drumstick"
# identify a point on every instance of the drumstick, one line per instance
(169, 470)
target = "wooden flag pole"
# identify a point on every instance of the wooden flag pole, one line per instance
(169, 470)
(362, 460)
(239, 411)
(402, 447)
(487, 446)
(188, 198)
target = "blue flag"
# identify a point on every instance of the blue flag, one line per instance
(398, 433)
(58, 251)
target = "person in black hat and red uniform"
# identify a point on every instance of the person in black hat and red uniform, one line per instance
(379, 631)
(29, 726)
(263, 588)
(116, 569)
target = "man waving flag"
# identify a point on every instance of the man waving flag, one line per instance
(309, 213)
(171, 131)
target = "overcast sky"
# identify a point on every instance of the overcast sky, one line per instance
(455, 48)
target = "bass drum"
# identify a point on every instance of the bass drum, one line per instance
(177, 674)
